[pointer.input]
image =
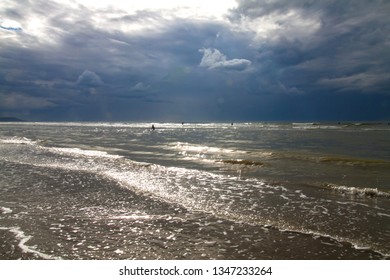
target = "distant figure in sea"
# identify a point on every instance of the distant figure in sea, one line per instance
(153, 128)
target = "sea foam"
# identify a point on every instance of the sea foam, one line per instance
(5, 210)
(23, 239)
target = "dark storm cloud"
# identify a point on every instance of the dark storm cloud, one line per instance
(347, 49)
(265, 60)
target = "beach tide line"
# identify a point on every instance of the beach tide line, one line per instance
(23, 239)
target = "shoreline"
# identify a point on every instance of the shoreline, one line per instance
(11, 249)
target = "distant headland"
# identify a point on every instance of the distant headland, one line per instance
(10, 119)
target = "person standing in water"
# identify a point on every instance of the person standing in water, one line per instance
(153, 128)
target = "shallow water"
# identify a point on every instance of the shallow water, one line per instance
(195, 191)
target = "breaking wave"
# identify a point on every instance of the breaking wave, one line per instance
(18, 140)
(363, 192)
(88, 153)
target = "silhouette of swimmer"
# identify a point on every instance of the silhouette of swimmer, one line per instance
(153, 128)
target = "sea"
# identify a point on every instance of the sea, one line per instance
(198, 191)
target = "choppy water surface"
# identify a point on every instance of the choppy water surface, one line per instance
(194, 191)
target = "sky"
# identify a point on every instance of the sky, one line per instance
(200, 60)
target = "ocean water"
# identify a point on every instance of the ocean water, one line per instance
(194, 191)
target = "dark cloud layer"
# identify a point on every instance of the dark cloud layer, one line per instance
(265, 60)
